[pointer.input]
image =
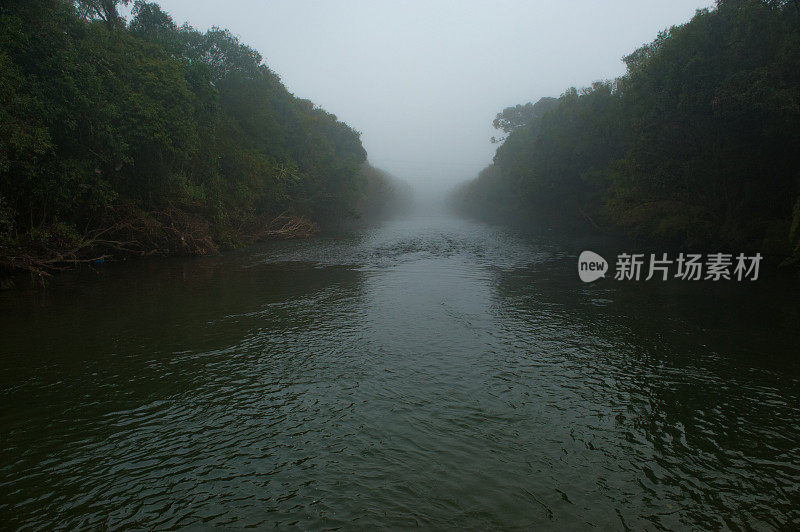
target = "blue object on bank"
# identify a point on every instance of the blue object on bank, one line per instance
(101, 260)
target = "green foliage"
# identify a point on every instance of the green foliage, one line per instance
(382, 194)
(698, 143)
(513, 118)
(100, 118)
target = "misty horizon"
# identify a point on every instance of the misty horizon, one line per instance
(422, 83)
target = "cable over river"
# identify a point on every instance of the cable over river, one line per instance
(430, 372)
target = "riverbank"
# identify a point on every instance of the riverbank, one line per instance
(132, 233)
(129, 139)
(662, 153)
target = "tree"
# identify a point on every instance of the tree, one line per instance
(155, 136)
(698, 144)
(512, 118)
(105, 10)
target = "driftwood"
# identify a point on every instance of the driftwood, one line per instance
(289, 226)
(131, 232)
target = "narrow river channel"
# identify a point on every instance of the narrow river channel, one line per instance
(430, 371)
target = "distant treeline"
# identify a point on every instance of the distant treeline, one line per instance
(697, 145)
(144, 137)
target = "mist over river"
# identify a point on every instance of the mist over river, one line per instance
(430, 371)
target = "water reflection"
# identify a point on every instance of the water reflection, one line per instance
(678, 390)
(430, 372)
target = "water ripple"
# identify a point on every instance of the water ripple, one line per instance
(431, 372)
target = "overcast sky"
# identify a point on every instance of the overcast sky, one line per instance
(422, 80)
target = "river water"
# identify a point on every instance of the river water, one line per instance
(429, 371)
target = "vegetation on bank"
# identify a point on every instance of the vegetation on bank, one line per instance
(145, 137)
(698, 144)
(382, 195)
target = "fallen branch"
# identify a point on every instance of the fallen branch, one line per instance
(285, 226)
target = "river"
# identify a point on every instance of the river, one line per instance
(429, 371)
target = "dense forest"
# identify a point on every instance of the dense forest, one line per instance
(697, 145)
(132, 138)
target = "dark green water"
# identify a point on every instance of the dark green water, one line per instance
(429, 372)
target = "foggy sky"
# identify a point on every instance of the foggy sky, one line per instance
(422, 80)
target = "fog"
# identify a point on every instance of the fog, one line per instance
(422, 81)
